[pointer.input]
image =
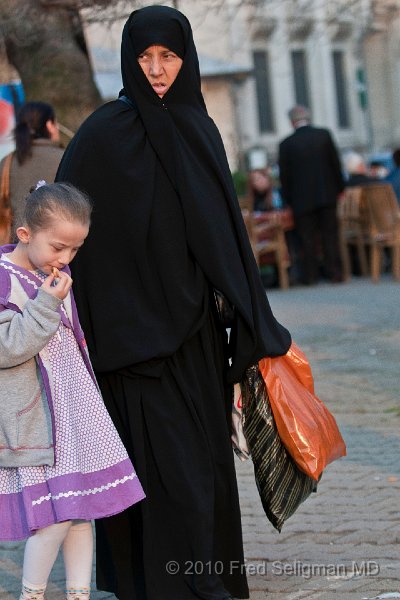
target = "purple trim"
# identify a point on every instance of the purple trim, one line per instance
(47, 389)
(75, 319)
(11, 306)
(7, 248)
(80, 338)
(119, 496)
(5, 287)
(25, 284)
(29, 289)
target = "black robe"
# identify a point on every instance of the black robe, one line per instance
(166, 231)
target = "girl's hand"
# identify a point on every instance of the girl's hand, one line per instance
(62, 287)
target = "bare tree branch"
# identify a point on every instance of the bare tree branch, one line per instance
(74, 4)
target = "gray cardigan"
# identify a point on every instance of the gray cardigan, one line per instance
(26, 388)
(26, 436)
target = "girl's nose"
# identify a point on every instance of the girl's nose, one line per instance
(65, 257)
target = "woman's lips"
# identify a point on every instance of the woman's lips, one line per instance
(159, 87)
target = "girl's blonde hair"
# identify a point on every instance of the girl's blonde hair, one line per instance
(61, 199)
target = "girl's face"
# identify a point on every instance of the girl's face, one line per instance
(161, 66)
(54, 246)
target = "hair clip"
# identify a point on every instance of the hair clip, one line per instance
(39, 184)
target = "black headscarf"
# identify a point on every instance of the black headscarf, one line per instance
(166, 222)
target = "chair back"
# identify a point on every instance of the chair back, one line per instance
(351, 209)
(249, 223)
(383, 211)
(275, 243)
(245, 202)
(352, 217)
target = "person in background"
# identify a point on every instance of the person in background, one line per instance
(311, 181)
(36, 157)
(394, 175)
(377, 170)
(357, 170)
(259, 190)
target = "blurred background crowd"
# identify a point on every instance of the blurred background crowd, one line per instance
(335, 60)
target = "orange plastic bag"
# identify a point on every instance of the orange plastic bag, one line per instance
(306, 427)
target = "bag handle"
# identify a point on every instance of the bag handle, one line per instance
(5, 182)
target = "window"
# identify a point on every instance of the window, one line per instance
(263, 89)
(300, 78)
(341, 89)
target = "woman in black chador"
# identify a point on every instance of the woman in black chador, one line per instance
(166, 232)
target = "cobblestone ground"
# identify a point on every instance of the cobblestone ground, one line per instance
(344, 542)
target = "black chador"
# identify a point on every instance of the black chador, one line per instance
(166, 231)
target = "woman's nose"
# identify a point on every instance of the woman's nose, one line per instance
(155, 67)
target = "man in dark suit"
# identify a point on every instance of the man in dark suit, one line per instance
(311, 180)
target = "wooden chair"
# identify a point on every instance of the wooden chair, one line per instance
(352, 217)
(275, 244)
(382, 227)
(245, 202)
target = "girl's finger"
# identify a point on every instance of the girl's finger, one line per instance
(49, 280)
(63, 277)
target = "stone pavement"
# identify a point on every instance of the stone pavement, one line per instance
(344, 542)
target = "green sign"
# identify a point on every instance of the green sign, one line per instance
(361, 88)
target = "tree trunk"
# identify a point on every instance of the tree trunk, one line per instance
(46, 46)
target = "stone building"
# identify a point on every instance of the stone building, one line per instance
(338, 57)
(382, 59)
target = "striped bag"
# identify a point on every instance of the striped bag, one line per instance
(281, 484)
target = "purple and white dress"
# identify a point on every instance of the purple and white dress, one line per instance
(92, 476)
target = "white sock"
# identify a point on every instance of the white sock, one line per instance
(30, 591)
(77, 594)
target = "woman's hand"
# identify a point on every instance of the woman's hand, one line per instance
(62, 287)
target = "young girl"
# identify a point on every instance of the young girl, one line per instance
(61, 460)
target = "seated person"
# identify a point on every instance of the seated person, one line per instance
(357, 171)
(377, 170)
(394, 175)
(259, 190)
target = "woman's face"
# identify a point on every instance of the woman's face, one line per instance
(259, 181)
(54, 132)
(161, 66)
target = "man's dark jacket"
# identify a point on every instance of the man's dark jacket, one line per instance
(310, 170)
(358, 179)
